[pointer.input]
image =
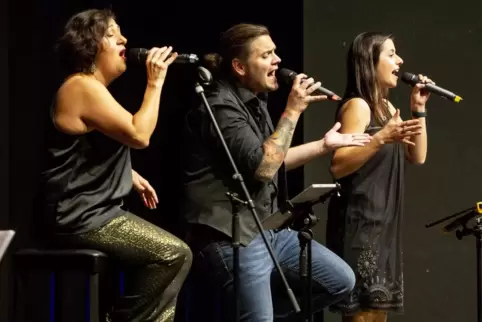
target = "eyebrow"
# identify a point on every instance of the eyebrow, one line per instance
(114, 26)
(269, 50)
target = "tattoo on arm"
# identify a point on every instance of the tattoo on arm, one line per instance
(277, 145)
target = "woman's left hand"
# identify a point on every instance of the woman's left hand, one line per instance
(145, 190)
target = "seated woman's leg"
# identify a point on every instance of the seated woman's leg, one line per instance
(156, 265)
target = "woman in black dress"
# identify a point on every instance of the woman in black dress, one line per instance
(364, 222)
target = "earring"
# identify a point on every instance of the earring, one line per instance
(92, 68)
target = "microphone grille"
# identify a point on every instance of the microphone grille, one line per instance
(409, 78)
(137, 54)
(286, 75)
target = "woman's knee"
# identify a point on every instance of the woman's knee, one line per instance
(174, 253)
(186, 254)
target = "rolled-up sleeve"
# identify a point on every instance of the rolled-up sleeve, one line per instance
(245, 146)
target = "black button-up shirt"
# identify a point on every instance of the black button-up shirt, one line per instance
(245, 123)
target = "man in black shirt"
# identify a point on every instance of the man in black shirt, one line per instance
(244, 71)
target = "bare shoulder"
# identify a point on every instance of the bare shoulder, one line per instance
(71, 97)
(356, 106)
(355, 115)
(78, 87)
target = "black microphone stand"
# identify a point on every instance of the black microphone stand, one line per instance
(462, 218)
(205, 78)
(304, 220)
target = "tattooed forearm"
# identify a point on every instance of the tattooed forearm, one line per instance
(277, 145)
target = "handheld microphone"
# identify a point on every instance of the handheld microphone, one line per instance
(412, 79)
(288, 76)
(140, 55)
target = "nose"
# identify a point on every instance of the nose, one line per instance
(400, 60)
(276, 59)
(123, 40)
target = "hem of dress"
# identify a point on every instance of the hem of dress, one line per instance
(355, 309)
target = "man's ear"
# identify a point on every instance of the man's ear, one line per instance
(238, 67)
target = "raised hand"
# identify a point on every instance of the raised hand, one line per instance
(420, 96)
(157, 62)
(398, 130)
(334, 139)
(300, 96)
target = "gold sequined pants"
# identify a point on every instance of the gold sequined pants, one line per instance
(156, 264)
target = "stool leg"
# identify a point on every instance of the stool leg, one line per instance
(55, 297)
(93, 301)
(16, 299)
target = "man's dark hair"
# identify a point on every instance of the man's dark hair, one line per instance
(234, 43)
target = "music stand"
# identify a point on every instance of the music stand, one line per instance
(6, 237)
(461, 230)
(299, 216)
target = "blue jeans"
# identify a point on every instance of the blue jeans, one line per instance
(262, 295)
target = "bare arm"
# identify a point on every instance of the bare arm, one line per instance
(84, 104)
(89, 104)
(417, 153)
(302, 154)
(298, 156)
(354, 117)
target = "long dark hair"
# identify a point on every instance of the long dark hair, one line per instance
(361, 63)
(234, 43)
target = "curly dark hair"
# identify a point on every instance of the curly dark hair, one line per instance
(81, 40)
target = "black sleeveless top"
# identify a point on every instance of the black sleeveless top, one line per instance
(84, 179)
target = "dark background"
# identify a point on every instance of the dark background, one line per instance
(442, 41)
(4, 146)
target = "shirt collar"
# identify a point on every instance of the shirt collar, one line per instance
(246, 95)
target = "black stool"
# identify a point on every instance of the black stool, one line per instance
(90, 264)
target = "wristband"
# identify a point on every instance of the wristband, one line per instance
(419, 114)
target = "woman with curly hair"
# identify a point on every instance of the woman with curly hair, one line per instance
(88, 169)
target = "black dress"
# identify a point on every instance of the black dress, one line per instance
(364, 228)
